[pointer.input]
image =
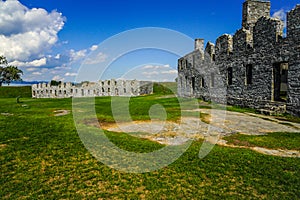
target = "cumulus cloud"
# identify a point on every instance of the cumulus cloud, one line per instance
(169, 72)
(34, 63)
(57, 56)
(27, 33)
(94, 48)
(58, 78)
(159, 72)
(152, 72)
(77, 55)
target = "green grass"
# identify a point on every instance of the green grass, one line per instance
(164, 88)
(241, 110)
(139, 108)
(135, 145)
(13, 92)
(289, 118)
(213, 105)
(42, 157)
(278, 140)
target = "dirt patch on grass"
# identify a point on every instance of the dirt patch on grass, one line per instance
(212, 125)
(241, 143)
(163, 132)
(7, 114)
(58, 113)
(98, 123)
(266, 151)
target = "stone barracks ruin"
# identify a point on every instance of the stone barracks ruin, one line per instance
(93, 89)
(258, 65)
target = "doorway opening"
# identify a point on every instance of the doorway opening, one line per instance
(280, 81)
(193, 83)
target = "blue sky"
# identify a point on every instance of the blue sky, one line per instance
(48, 39)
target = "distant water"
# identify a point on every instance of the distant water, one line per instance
(17, 84)
(23, 83)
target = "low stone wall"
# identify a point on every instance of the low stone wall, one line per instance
(264, 106)
(100, 88)
(293, 110)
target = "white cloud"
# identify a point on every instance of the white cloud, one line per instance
(37, 73)
(34, 63)
(62, 67)
(156, 66)
(58, 78)
(280, 14)
(57, 56)
(169, 72)
(151, 73)
(150, 70)
(99, 58)
(70, 74)
(77, 55)
(94, 48)
(27, 33)
(44, 70)
(31, 69)
(54, 72)
(159, 72)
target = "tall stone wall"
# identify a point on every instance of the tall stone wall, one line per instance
(255, 65)
(293, 35)
(100, 88)
(268, 32)
(253, 10)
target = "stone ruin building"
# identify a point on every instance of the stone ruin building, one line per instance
(258, 66)
(93, 89)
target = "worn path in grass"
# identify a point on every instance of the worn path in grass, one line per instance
(222, 123)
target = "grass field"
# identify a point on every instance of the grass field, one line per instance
(42, 157)
(290, 141)
(14, 92)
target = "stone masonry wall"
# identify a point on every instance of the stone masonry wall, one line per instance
(101, 88)
(293, 34)
(254, 66)
(253, 10)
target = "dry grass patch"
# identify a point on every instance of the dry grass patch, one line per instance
(3, 146)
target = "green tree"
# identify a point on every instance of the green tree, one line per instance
(55, 83)
(8, 73)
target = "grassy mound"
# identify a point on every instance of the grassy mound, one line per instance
(165, 88)
(13, 92)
